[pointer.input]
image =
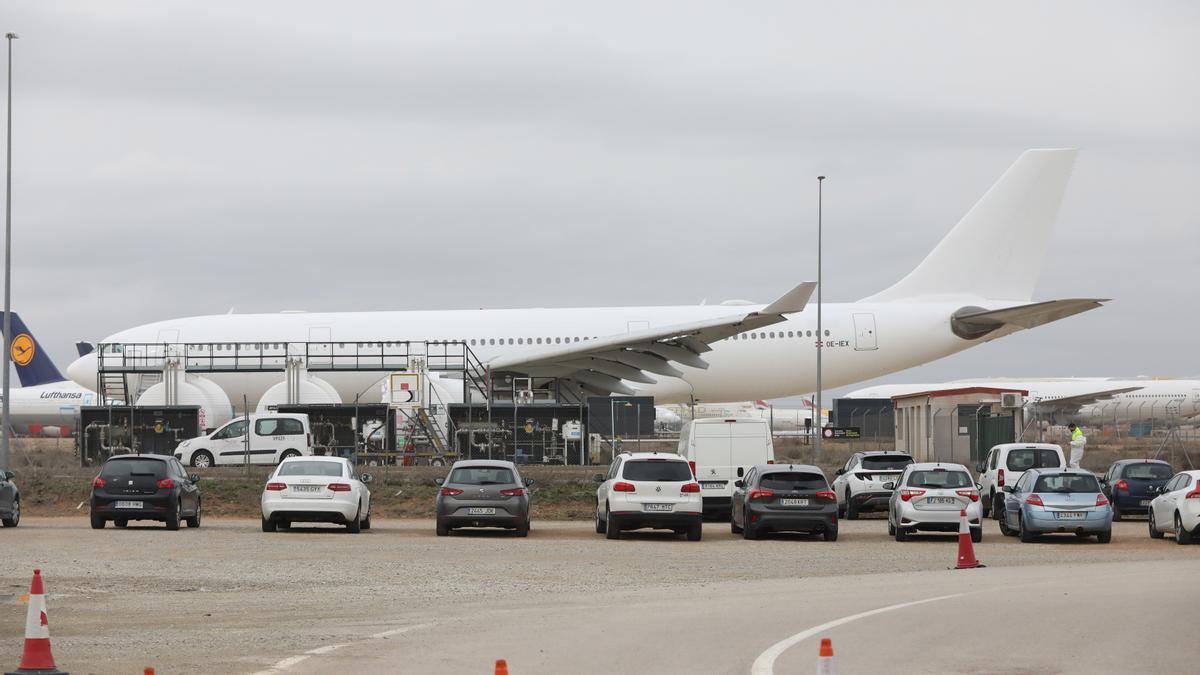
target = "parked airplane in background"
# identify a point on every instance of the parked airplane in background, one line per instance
(785, 419)
(1086, 400)
(976, 285)
(46, 403)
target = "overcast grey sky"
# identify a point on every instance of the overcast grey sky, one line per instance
(179, 158)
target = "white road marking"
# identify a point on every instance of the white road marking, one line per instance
(291, 661)
(765, 663)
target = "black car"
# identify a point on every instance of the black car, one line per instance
(10, 500)
(784, 498)
(145, 487)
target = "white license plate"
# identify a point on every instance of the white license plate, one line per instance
(941, 500)
(129, 505)
(793, 502)
(711, 486)
(1070, 515)
(481, 511)
(660, 507)
(1145, 502)
(306, 488)
(885, 478)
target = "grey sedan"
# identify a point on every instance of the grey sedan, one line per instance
(784, 497)
(483, 493)
(10, 500)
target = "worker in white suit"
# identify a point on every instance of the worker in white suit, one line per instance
(1078, 441)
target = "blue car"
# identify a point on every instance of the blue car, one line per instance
(1130, 484)
(1047, 501)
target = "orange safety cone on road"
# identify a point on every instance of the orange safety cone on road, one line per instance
(37, 658)
(501, 667)
(966, 550)
(825, 664)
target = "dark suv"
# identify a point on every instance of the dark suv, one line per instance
(10, 500)
(144, 487)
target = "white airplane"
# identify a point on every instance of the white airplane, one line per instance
(46, 403)
(782, 418)
(976, 285)
(1086, 400)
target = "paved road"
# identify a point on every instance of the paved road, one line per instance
(229, 599)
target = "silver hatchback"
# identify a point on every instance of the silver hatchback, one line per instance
(483, 493)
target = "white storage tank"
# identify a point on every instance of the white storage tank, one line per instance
(310, 390)
(215, 408)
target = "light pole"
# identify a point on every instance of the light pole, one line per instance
(820, 335)
(5, 427)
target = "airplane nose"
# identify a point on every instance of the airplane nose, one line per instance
(82, 371)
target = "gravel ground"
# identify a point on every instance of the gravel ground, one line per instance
(228, 598)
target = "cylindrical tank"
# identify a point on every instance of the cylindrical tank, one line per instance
(215, 409)
(312, 390)
(221, 410)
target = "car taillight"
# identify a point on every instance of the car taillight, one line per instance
(690, 487)
(276, 487)
(770, 461)
(166, 484)
(515, 492)
(1194, 494)
(450, 492)
(1000, 478)
(97, 482)
(826, 496)
(1121, 485)
(1101, 500)
(906, 495)
(968, 493)
(622, 486)
(1034, 500)
(338, 487)
(693, 465)
(761, 493)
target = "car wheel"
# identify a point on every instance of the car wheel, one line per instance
(173, 517)
(355, 524)
(694, 531)
(1155, 533)
(891, 527)
(841, 510)
(901, 535)
(601, 524)
(851, 508)
(202, 459)
(194, 521)
(830, 533)
(986, 507)
(1104, 537)
(997, 507)
(442, 530)
(1026, 536)
(97, 522)
(120, 522)
(523, 529)
(15, 518)
(1116, 514)
(733, 526)
(366, 523)
(268, 525)
(613, 529)
(976, 534)
(1182, 536)
(750, 532)
(288, 454)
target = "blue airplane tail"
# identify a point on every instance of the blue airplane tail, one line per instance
(33, 364)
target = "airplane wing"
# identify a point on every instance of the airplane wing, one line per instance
(600, 365)
(1069, 405)
(973, 322)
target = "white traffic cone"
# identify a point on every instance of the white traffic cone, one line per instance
(825, 664)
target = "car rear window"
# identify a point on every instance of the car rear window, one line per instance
(1032, 458)
(797, 480)
(656, 470)
(1148, 471)
(481, 475)
(886, 462)
(940, 479)
(1067, 482)
(134, 467)
(311, 469)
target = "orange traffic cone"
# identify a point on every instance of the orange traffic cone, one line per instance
(501, 667)
(825, 664)
(966, 550)
(37, 657)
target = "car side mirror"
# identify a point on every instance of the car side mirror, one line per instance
(598, 478)
(890, 485)
(741, 472)
(195, 478)
(739, 484)
(439, 481)
(1007, 488)
(366, 478)
(839, 472)
(529, 482)
(8, 475)
(979, 487)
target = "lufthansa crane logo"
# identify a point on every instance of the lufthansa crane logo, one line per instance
(22, 349)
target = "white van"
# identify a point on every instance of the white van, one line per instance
(275, 437)
(720, 450)
(1006, 463)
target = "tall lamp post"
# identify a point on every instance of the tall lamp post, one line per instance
(820, 335)
(5, 427)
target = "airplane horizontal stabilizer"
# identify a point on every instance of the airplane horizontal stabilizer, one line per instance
(975, 322)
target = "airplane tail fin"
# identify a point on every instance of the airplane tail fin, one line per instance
(33, 364)
(996, 251)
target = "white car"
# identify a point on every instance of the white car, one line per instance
(859, 485)
(1006, 463)
(1177, 509)
(316, 490)
(930, 497)
(275, 437)
(648, 490)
